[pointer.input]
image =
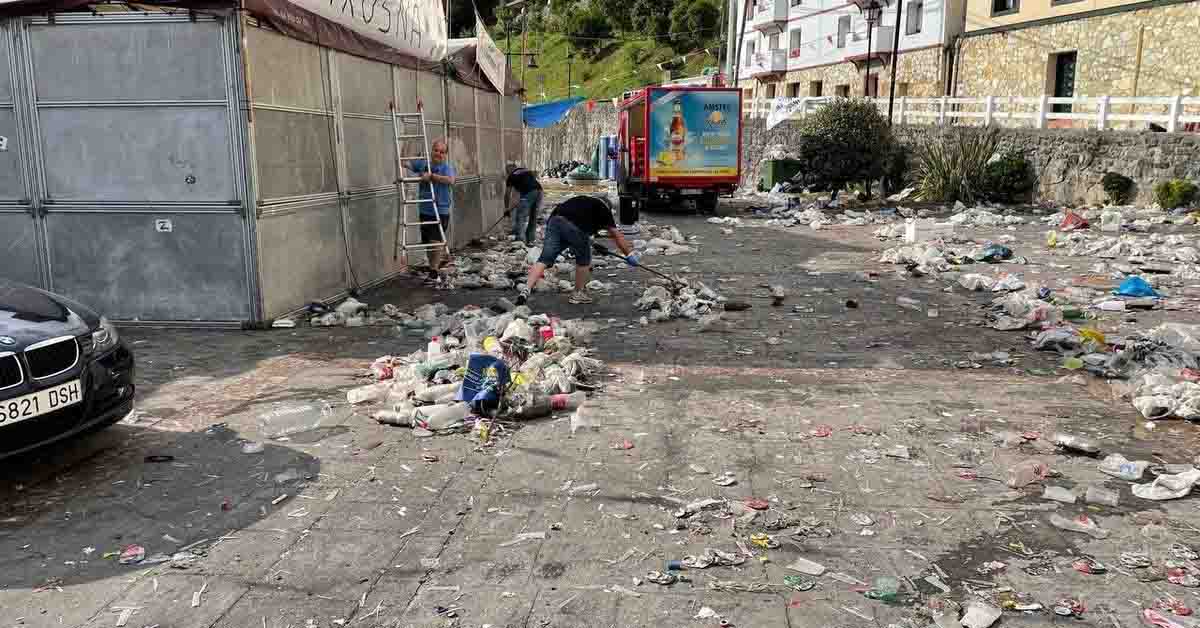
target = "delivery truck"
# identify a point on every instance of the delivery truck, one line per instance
(678, 145)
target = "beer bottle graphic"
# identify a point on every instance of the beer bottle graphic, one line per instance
(678, 134)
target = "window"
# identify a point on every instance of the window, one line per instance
(749, 53)
(794, 43)
(770, 91)
(816, 88)
(793, 90)
(773, 42)
(843, 30)
(1005, 7)
(873, 86)
(901, 89)
(842, 91)
(916, 16)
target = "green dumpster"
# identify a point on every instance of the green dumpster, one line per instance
(777, 171)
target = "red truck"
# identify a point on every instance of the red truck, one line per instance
(678, 144)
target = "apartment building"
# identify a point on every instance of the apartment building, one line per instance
(1080, 48)
(820, 47)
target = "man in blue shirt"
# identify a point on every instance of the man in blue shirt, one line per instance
(436, 183)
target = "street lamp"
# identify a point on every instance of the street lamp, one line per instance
(871, 11)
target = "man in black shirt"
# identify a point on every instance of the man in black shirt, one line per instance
(523, 198)
(571, 226)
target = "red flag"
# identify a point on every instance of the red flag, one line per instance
(591, 105)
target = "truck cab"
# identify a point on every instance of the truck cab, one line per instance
(678, 144)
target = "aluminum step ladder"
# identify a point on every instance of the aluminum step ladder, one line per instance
(402, 246)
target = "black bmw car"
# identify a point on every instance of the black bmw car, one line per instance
(63, 369)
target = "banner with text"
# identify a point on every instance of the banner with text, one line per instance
(416, 28)
(784, 108)
(489, 56)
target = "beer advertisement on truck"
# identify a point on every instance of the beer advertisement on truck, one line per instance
(694, 133)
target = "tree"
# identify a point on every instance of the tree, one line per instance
(694, 24)
(843, 142)
(589, 29)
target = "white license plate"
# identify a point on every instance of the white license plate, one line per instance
(39, 403)
(692, 192)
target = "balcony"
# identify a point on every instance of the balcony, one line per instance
(770, 16)
(881, 45)
(768, 63)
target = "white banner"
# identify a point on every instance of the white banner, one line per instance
(784, 108)
(489, 56)
(414, 27)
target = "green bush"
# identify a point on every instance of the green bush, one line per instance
(694, 24)
(589, 29)
(953, 166)
(1118, 187)
(1008, 179)
(895, 169)
(842, 142)
(1175, 193)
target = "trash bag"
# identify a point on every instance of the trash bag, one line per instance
(1135, 287)
(1072, 221)
(995, 253)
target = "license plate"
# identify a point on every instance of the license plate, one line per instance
(692, 192)
(39, 403)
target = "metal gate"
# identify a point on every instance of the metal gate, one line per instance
(134, 170)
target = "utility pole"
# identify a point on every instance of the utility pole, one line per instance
(524, 39)
(737, 55)
(895, 60)
(569, 59)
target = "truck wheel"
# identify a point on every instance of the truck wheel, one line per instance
(707, 204)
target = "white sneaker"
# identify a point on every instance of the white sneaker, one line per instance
(630, 229)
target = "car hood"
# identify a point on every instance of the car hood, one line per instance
(29, 315)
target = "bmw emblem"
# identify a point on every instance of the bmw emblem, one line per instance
(7, 341)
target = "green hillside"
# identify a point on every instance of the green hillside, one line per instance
(619, 66)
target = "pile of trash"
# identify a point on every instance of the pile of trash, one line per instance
(1116, 218)
(663, 240)
(560, 171)
(682, 299)
(1177, 248)
(481, 365)
(937, 257)
(982, 217)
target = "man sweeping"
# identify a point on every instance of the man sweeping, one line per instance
(571, 226)
(523, 199)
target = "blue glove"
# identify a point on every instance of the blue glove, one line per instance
(632, 260)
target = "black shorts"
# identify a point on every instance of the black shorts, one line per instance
(430, 233)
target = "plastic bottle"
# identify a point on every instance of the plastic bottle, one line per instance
(1082, 523)
(1118, 466)
(1026, 472)
(543, 406)
(1077, 443)
(1102, 496)
(534, 365)
(293, 418)
(492, 346)
(370, 392)
(1072, 364)
(435, 348)
(1113, 306)
(582, 418)
(1058, 494)
(432, 394)
(909, 304)
(885, 588)
(440, 416)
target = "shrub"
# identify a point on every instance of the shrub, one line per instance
(895, 169)
(1175, 193)
(844, 141)
(1118, 187)
(590, 29)
(953, 166)
(694, 23)
(1008, 179)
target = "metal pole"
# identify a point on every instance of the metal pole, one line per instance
(737, 55)
(524, 39)
(895, 60)
(867, 73)
(568, 75)
(1137, 70)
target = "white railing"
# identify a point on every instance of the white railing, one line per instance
(1174, 113)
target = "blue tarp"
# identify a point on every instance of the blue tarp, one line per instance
(545, 114)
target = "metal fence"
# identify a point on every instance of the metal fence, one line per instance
(1173, 113)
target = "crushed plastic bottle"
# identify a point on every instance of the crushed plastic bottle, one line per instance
(1026, 472)
(1102, 496)
(885, 589)
(440, 416)
(1058, 494)
(543, 406)
(1077, 443)
(1166, 487)
(370, 392)
(285, 419)
(440, 393)
(1119, 467)
(909, 304)
(1082, 523)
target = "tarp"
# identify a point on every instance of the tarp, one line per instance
(291, 18)
(546, 114)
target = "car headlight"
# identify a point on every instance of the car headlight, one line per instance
(105, 337)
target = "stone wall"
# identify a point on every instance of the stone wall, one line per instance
(1068, 163)
(1017, 62)
(573, 138)
(921, 70)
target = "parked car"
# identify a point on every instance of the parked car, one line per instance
(63, 369)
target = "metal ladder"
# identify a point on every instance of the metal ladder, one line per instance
(401, 245)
